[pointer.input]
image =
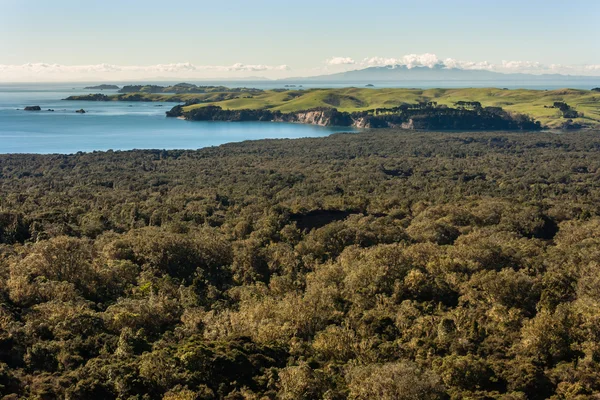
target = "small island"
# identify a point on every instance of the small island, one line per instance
(102, 87)
(181, 88)
(33, 108)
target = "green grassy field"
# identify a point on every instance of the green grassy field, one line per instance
(529, 102)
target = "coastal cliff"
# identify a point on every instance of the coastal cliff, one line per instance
(316, 117)
(418, 116)
(466, 109)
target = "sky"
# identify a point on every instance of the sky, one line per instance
(133, 39)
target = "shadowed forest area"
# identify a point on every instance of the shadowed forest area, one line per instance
(388, 264)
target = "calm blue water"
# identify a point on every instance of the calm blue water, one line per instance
(116, 125)
(126, 126)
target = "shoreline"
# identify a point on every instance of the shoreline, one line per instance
(576, 108)
(242, 142)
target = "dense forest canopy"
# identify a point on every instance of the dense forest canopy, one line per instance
(387, 264)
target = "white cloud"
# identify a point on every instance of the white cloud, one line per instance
(472, 65)
(430, 60)
(340, 61)
(56, 72)
(409, 61)
(46, 72)
(380, 61)
(250, 68)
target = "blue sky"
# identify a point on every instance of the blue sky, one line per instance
(302, 35)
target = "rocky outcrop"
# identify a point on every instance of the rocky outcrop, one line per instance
(80, 111)
(408, 125)
(175, 112)
(309, 117)
(318, 116)
(362, 123)
(33, 108)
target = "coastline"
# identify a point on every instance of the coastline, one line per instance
(372, 108)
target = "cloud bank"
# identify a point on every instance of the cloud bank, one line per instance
(45, 72)
(431, 60)
(340, 61)
(58, 72)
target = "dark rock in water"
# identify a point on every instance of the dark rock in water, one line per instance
(80, 111)
(370, 85)
(33, 108)
(50, 110)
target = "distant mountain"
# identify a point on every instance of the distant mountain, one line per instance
(437, 73)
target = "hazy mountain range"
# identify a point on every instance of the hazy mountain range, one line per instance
(436, 73)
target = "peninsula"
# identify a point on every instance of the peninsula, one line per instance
(102, 87)
(183, 88)
(470, 109)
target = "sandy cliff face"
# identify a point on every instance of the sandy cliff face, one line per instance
(408, 125)
(322, 118)
(361, 123)
(427, 119)
(311, 117)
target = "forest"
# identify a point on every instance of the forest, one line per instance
(386, 264)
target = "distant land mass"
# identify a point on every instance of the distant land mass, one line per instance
(437, 73)
(102, 87)
(433, 109)
(181, 88)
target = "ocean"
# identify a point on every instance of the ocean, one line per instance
(139, 125)
(116, 125)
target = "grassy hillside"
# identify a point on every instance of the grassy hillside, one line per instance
(529, 102)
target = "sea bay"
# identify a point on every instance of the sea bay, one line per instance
(116, 125)
(143, 125)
